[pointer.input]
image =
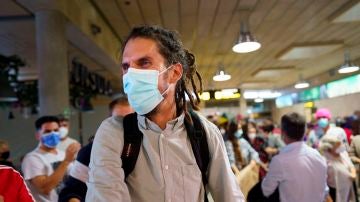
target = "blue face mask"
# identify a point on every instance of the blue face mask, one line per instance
(238, 134)
(50, 140)
(141, 87)
(323, 122)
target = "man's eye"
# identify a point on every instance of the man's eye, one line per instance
(125, 66)
(145, 63)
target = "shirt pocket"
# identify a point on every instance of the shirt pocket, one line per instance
(192, 183)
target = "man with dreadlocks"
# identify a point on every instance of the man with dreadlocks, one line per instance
(158, 75)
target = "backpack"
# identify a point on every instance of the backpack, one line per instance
(133, 141)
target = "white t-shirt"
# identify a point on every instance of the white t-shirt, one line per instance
(37, 163)
(314, 138)
(65, 143)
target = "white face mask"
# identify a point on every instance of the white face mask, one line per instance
(340, 149)
(141, 87)
(222, 131)
(252, 136)
(63, 132)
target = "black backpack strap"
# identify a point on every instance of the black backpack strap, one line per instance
(132, 143)
(197, 136)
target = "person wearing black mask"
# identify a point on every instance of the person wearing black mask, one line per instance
(5, 154)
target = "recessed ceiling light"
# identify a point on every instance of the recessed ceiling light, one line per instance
(301, 84)
(221, 76)
(259, 100)
(348, 67)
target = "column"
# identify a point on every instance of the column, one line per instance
(243, 105)
(52, 62)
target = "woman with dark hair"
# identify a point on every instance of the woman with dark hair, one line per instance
(244, 160)
(240, 152)
(259, 143)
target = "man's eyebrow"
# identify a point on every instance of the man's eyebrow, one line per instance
(142, 59)
(139, 60)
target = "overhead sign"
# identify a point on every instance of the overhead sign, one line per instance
(220, 94)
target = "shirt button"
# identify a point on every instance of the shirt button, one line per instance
(166, 167)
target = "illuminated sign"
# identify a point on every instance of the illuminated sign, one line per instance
(220, 94)
(343, 86)
(284, 101)
(227, 94)
(309, 105)
(309, 95)
(204, 96)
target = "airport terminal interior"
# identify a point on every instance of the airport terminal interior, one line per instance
(258, 60)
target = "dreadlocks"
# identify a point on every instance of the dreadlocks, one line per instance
(171, 48)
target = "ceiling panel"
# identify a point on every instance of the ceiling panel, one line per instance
(131, 12)
(150, 10)
(115, 16)
(11, 8)
(170, 13)
(188, 25)
(306, 51)
(210, 29)
(272, 73)
(351, 13)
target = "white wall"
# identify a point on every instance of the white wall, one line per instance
(20, 132)
(339, 106)
(229, 111)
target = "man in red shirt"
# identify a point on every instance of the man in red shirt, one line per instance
(12, 186)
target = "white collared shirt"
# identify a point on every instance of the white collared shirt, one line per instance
(166, 168)
(300, 172)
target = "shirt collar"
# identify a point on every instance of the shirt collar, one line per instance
(292, 146)
(171, 125)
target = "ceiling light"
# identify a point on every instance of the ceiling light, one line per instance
(247, 42)
(221, 75)
(348, 67)
(301, 83)
(259, 100)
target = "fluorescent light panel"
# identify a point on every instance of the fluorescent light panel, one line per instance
(272, 72)
(308, 51)
(266, 94)
(350, 15)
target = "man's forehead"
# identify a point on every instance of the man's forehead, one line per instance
(139, 48)
(64, 123)
(49, 125)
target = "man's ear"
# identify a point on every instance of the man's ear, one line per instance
(176, 73)
(37, 135)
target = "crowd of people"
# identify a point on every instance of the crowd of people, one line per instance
(266, 149)
(167, 151)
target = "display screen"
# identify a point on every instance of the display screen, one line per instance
(344, 86)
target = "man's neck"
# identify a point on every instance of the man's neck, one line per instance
(288, 140)
(47, 149)
(163, 115)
